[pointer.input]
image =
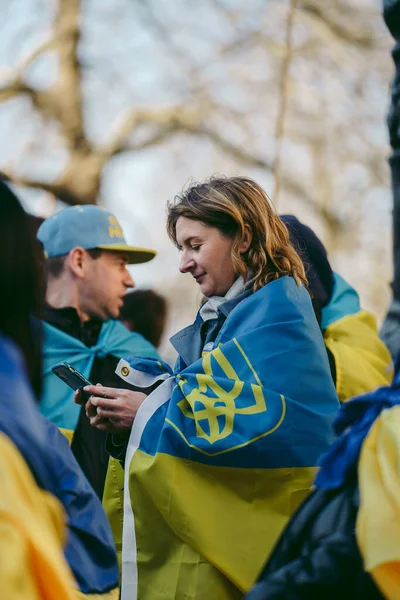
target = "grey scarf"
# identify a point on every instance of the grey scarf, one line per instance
(209, 310)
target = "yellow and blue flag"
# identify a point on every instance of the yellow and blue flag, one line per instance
(57, 399)
(89, 548)
(362, 361)
(32, 535)
(367, 450)
(378, 520)
(221, 454)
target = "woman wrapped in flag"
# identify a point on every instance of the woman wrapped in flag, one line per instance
(222, 452)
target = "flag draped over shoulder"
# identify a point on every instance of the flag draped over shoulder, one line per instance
(32, 535)
(378, 522)
(368, 449)
(221, 453)
(362, 360)
(89, 548)
(57, 401)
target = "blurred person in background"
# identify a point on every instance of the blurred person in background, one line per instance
(42, 484)
(358, 358)
(222, 452)
(87, 279)
(145, 312)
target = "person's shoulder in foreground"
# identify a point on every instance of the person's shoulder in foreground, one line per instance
(344, 539)
(32, 535)
(50, 460)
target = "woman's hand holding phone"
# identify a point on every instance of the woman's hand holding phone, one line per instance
(110, 409)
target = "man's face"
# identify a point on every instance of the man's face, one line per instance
(104, 285)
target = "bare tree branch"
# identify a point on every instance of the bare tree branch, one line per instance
(56, 189)
(161, 135)
(41, 99)
(64, 101)
(30, 57)
(176, 117)
(291, 185)
(283, 99)
(245, 48)
(355, 36)
(68, 88)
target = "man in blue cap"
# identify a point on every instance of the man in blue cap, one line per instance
(87, 278)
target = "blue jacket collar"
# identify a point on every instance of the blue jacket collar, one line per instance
(188, 341)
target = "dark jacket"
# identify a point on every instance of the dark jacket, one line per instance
(317, 557)
(89, 443)
(391, 328)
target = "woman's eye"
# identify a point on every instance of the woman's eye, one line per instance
(195, 248)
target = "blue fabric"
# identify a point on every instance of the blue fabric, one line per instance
(352, 424)
(263, 398)
(345, 301)
(56, 402)
(90, 548)
(155, 367)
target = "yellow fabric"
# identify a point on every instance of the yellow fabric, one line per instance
(378, 522)
(214, 526)
(113, 503)
(32, 564)
(362, 360)
(69, 434)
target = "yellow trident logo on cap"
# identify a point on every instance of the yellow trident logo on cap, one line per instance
(114, 229)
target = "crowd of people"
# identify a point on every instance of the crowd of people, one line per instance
(262, 465)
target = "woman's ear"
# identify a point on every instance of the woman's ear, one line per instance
(248, 236)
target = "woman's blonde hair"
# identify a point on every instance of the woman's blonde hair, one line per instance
(229, 204)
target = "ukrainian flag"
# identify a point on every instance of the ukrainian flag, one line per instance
(89, 548)
(362, 360)
(221, 454)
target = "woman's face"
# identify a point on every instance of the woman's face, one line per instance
(206, 255)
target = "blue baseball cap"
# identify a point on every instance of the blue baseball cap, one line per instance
(87, 227)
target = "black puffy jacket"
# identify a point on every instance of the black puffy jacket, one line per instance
(317, 557)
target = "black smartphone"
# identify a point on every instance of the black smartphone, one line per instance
(71, 377)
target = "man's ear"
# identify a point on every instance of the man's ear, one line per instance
(76, 261)
(248, 236)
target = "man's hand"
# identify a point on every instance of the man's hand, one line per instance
(111, 409)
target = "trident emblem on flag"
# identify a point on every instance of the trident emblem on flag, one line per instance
(214, 408)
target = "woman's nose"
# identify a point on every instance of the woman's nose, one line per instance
(186, 264)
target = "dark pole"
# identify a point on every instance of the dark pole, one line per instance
(391, 327)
